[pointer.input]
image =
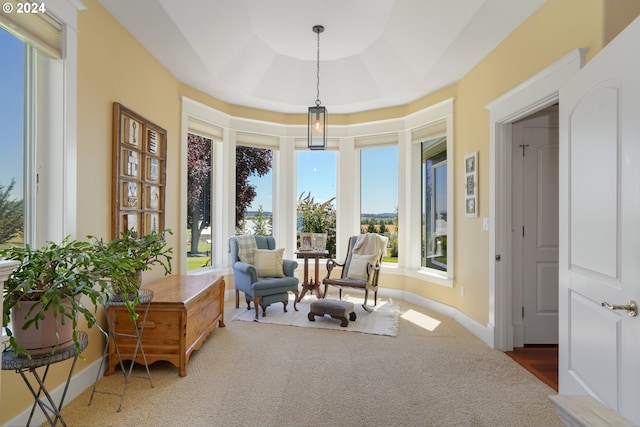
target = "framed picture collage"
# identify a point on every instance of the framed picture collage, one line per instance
(139, 173)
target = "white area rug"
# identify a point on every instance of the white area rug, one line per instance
(383, 320)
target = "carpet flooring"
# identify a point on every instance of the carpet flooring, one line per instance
(433, 373)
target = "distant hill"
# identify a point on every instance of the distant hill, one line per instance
(379, 215)
(384, 215)
(251, 214)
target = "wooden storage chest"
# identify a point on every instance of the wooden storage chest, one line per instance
(182, 314)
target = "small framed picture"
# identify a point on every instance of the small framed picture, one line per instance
(471, 184)
(319, 242)
(471, 207)
(470, 163)
(306, 241)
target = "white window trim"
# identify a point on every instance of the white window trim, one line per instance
(343, 140)
(63, 185)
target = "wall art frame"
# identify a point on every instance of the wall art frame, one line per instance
(471, 184)
(138, 173)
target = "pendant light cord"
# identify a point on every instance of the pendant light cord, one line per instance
(318, 73)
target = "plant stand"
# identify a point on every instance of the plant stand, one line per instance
(113, 305)
(42, 397)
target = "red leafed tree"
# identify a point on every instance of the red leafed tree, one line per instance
(198, 187)
(249, 161)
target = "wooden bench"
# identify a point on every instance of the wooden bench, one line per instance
(182, 314)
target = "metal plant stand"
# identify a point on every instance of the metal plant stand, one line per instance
(42, 398)
(113, 306)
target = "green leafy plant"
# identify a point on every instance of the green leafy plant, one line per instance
(143, 252)
(316, 217)
(56, 276)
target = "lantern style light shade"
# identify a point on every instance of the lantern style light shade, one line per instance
(317, 139)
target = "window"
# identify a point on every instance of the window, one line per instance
(316, 188)
(379, 195)
(12, 143)
(434, 204)
(199, 173)
(254, 190)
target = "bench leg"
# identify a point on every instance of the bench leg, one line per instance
(312, 316)
(344, 321)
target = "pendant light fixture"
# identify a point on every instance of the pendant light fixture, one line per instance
(317, 136)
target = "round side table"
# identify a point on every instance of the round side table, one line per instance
(42, 398)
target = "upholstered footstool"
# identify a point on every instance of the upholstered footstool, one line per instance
(334, 308)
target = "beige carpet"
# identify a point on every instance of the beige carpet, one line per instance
(433, 373)
(382, 320)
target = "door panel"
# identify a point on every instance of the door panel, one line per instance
(594, 322)
(539, 236)
(594, 207)
(599, 227)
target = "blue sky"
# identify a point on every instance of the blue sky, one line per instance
(11, 110)
(317, 174)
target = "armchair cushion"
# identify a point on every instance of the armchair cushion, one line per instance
(358, 266)
(246, 246)
(268, 263)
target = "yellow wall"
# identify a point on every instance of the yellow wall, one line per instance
(114, 67)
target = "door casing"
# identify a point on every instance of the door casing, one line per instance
(535, 94)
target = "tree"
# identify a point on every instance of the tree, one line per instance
(249, 161)
(11, 214)
(198, 187)
(393, 237)
(371, 225)
(382, 227)
(261, 224)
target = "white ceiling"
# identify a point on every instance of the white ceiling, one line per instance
(373, 53)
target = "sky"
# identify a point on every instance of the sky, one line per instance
(317, 175)
(11, 110)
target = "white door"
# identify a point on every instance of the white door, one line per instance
(535, 223)
(600, 227)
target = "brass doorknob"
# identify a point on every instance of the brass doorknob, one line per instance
(631, 307)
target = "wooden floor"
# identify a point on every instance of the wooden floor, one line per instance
(540, 360)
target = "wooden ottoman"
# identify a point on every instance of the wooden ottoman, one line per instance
(334, 308)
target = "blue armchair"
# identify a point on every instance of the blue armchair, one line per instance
(266, 278)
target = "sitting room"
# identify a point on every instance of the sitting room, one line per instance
(410, 178)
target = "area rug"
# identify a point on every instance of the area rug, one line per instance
(383, 320)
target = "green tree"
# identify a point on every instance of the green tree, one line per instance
(371, 225)
(11, 214)
(261, 223)
(249, 161)
(393, 238)
(198, 187)
(316, 217)
(382, 227)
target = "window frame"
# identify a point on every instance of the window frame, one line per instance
(440, 162)
(436, 122)
(51, 161)
(407, 132)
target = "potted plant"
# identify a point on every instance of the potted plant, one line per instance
(48, 286)
(143, 252)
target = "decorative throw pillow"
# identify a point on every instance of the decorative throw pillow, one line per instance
(246, 246)
(358, 266)
(268, 263)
